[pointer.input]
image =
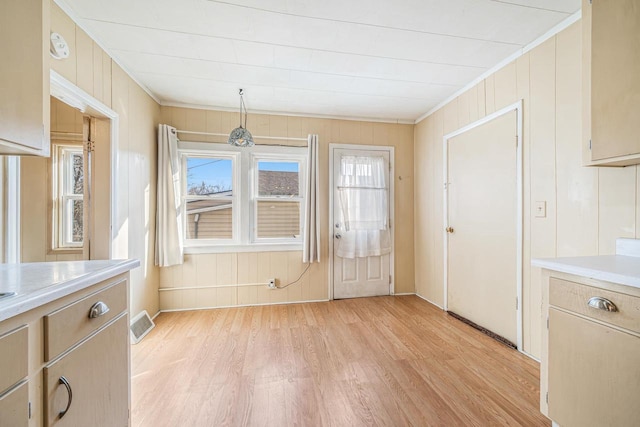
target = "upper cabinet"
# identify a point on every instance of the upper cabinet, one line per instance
(24, 77)
(611, 81)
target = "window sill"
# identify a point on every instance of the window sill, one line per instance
(256, 247)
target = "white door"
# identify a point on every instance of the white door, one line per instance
(482, 277)
(357, 273)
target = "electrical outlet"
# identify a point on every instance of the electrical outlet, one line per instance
(272, 283)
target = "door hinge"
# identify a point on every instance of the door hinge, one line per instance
(390, 280)
(91, 146)
(516, 303)
(446, 185)
(29, 410)
(547, 397)
(589, 144)
(547, 322)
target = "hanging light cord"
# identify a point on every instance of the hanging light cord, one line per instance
(243, 107)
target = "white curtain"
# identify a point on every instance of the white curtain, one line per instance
(363, 198)
(311, 250)
(169, 228)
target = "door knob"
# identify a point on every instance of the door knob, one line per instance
(338, 236)
(449, 229)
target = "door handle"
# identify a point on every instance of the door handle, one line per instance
(66, 384)
(449, 229)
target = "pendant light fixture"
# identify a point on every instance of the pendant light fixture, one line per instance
(240, 136)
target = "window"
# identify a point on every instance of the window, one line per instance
(209, 197)
(242, 199)
(68, 197)
(277, 200)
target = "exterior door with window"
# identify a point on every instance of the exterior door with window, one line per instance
(362, 239)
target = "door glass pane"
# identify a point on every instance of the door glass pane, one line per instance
(280, 179)
(209, 218)
(278, 219)
(209, 176)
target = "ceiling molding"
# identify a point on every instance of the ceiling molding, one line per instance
(284, 113)
(76, 20)
(537, 42)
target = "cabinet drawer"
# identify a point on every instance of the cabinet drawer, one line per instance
(14, 407)
(13, 357)
(69, 325)
(575, 297)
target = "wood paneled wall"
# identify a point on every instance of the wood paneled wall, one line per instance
(234, 276)
(587, 208)
(93, 71)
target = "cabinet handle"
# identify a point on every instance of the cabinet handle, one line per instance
(600, 303)
(66, 384)
(98, 309)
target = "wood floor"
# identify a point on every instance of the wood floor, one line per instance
(394, 361)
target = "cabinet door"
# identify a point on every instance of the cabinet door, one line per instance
(594, 374)
(615, 78)
(97, 372)
(14, 407)
(24, 77)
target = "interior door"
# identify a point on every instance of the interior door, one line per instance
(482, 225)
(360, 276)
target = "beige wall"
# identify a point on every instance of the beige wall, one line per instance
(587, 208)
(230, 272)
(92, 70)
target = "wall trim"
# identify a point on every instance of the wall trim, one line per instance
(284, 113)
(429, 301)
(242, 305)
(72, 95)
(509, 59)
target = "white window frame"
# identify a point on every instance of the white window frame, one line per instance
(244, 187)
(235, 199)
(282, 156)
(63, 168)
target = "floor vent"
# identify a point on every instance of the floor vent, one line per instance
(141, 325)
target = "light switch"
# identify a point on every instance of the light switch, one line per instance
(540, 209)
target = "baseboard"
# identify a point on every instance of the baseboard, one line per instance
(403, 294)
(429, 301)
(242, 305)
(156, 315)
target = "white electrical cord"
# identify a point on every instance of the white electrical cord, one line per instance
(297, 280)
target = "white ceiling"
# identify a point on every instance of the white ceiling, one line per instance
(376, 59)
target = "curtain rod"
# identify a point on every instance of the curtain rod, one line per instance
(278, 138)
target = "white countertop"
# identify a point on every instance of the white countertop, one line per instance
(39, 283)
(620, 269)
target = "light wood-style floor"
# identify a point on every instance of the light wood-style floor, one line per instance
(395, 361)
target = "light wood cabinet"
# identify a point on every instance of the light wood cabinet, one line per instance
(61, 339)
(14, 406)
(593, 380)
(611, 81)
(97, 384)
(590, 374)
(24, 77)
